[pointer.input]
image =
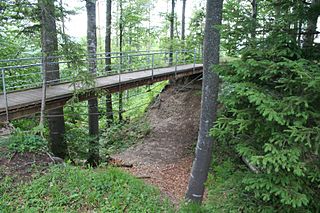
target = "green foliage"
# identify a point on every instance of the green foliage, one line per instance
(270, 115)
(21, 141)
(121, 136)
(196, 26)
(70, 189)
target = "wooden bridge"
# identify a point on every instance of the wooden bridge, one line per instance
(17, 104)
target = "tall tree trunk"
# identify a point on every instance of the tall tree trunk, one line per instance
(183, 21)
(49, 44)
(93, 158)
(171, 32)
(312, 24)
(121, 59)
(254, 18)
(209, 102)
(109, 111)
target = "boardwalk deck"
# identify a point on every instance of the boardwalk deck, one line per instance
(22, 103)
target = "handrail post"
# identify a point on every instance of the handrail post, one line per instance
(152, 70)
(148, 52)
(44, 91)
(5, 94)
(176, 68)
(120, 67)
(194, 59)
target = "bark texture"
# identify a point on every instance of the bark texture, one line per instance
(210, 87)
(254, 18)
(109, 111)
(93, 158)
(183, 21)
(171, 32)
(49, 43)
(120, 109)
(311, 30)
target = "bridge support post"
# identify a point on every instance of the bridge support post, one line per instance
(5, 93)
(194, 59)
(152, 69)
(176, 64)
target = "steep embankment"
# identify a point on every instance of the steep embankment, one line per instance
(164, 158)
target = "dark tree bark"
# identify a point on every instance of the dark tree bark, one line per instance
(93, 158)
(209, 101)
(183, 21)
(311, 30)
(121, 59)
(171, 32)
(109, 111)
(49, 44)
(254, 18)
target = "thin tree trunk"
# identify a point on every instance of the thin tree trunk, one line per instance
(209, 103)
(299, 32)
(254, 18)
(171, 32)
(109, 111)
(183, 21)
(49, 44)
(311, 25)
(93, 158)
(121, 60)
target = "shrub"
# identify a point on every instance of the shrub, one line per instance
(22, 141)
(270, 115)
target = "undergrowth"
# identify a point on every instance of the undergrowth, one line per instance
(72, 189)
(25, 141)
(122, 136)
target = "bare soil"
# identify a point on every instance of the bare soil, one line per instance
(22, 166)
(164, 159)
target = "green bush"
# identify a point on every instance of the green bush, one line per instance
(21, 141)
(270, 115)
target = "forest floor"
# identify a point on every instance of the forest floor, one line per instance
(165, 156)
(22, 166)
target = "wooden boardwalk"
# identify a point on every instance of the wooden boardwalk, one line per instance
(26, 102)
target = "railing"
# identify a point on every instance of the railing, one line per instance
(26, 73)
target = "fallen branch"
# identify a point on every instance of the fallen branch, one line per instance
(55, 159)
(249, 165)
(144, 177)
(118, 163)
(14, 154)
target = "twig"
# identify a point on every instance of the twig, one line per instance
(144, 177)
(50, 157)
(14, 154)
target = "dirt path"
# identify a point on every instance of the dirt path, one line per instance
(165, 156)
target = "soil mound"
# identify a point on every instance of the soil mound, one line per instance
(165, 156)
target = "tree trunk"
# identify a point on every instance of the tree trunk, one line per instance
(120, 109)
(209, 101)
(254, 18)
(171, 32)
(49, 44)
(183, 21)
(312, 24)
(93, 158)
(109, 111)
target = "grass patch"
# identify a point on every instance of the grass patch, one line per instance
(71, 189)
(122, 136)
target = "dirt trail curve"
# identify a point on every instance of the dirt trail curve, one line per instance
(164, 158)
